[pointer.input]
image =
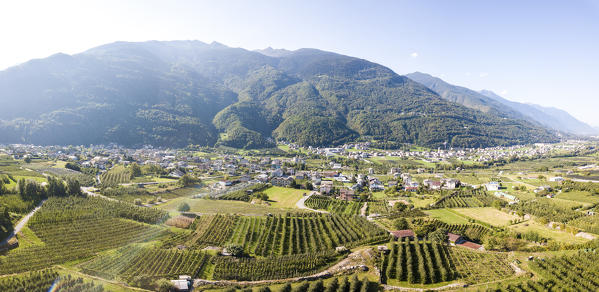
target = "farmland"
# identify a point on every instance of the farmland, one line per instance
(447, 216)
(334, 206)
(283, 197)
(418, 262)
(488, 215)
(230, 233)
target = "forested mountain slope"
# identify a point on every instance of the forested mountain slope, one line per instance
(490, 102)
(188, 92)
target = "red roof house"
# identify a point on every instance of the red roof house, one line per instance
(403, 233)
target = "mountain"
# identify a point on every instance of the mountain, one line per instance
(490, 102)
(551, 117)
(187, 92)
(464, 96)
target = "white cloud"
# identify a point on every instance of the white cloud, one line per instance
(503, 92)
(483, 74)
(414, 55)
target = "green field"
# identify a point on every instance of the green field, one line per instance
(579, 196)
(560, 236)
(284, 197)
(488, 215)
(447, 216)
(206, 206)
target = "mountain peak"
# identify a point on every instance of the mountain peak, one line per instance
(276, 53)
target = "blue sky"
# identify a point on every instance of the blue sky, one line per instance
(544, 52)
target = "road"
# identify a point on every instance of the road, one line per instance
(88, 191)
(364, 209)
(300, 204)
(22, 224)
(348, 264)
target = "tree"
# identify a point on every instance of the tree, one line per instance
(73, 187)
(55, 188)
(294, 184)
(423, 230)
(333, 285)
(137, 202)
(183, 207)
(164, 285)
(363, 197)
(187, 180)
(72, 166)
(21, 187)
(439, 236)
(308, 185)
(286, 288)
(27, 159)
(263, 289)
(344, 286)
(317, 286)
(134, 170)
(400, 207)
(354, 283)
(303, 287)
(401, 224)
(235, 250)
(365, 285)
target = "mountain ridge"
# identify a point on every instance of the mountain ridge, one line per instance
(489, 102)
(188, 92)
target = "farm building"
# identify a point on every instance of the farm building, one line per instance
(455, 238)
(407, 233)
(472, 245)
(347, 194)
(492, 186)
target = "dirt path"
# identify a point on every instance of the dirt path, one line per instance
(455, 285)
(364, 209)
(300, 204)
(120, 284)
(347, 264)
(88, 191)
(22, 223)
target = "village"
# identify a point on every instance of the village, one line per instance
(474, 202)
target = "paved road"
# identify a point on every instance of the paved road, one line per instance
(22, 224)
(300, 204)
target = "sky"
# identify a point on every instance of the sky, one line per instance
(537, 51)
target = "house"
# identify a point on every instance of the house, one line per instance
(492, 186)
(262, 177)
(281, 181)
(407, 233)
(585, 235)
(176, 173)
(392, 183)
(431, 184)
(542, 189)
(330, 174)
(181, 285)
(326, 186)
(277, 173)
(301, 175)
(506, 196)
(376, 185)
(455, 238)
(411, 186)
(556, 179)
(450, 184)
(472, 245)
(347, 194)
